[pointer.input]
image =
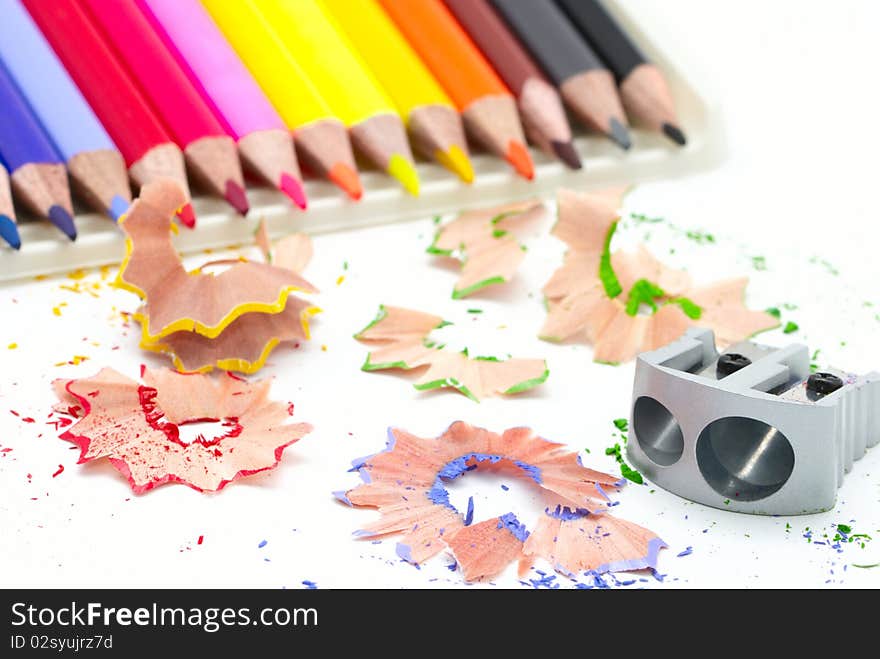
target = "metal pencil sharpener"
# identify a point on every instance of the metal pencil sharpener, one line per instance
(749, 430)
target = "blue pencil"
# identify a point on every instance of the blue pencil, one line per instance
(38, 175)
(95, 165)
(8, 229)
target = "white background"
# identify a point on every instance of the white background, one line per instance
(797, 85)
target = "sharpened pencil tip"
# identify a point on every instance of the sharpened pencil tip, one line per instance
(63, 220)
(456, 160)
(118, 207)
(187, 216)
(674, 133)
(9, 232)
(347, 179)
(237, 197)
(619, 133)
(566, 152)
(401, 168)
(518, 156)
(294, 189)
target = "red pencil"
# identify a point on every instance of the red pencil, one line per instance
(149, 151)
(210, 152)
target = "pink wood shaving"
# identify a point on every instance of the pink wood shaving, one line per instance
(577, 302)
(137, 427)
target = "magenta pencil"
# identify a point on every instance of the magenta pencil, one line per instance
(228, 88)
(210, 152)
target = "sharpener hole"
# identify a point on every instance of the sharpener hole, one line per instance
(744, 459)
(657, 431)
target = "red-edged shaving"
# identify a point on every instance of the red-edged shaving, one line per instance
(137, 426)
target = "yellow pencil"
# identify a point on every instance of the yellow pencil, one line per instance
(434, 124)
(321, 139)
(354, 96)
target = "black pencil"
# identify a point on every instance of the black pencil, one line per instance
(643, 86)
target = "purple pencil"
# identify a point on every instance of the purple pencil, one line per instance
(39, 178)
(96, 167)
(8, 228)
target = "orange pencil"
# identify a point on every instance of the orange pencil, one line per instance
(486, 104)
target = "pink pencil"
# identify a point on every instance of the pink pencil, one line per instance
(210, 152)
(228, 88)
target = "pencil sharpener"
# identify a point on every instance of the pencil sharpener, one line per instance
(750, 430)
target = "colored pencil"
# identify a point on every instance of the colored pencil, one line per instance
(487, 106)
(539, 103)
(38, 176)
(353, 94)
(583, 79)
(434, 124)
(643, 86)
(321, 139)
(145, 144)
(93, 162)
(8, 227)
(226, 85)
(210, 153)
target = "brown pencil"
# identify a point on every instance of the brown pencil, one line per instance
(539, 103)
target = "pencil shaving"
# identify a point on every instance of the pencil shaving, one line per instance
(175, 299)
(625, 303)
(407, 481)
(399, 339)
(137, 426)
(481, 240)
(183, 308)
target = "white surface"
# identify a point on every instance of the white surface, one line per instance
(799, 184)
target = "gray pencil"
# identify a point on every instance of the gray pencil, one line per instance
(583, 79)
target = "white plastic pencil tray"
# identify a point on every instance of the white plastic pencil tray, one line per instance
(100, 242)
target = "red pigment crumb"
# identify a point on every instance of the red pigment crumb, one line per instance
(5, 450)
(60, 423)
(290, 409)
(59, 472)
(14, 413)
(200, 540)
(28, 419)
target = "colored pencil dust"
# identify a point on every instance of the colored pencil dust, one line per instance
(224, 83)
(585, 82)
(209, 151)
(434, 124)
(354, 96)
(539, 103)
(95, 165)
(321, 139)
(39, 178)
(145, 144)
(488, 108)
(643, 86)
(8, 227)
